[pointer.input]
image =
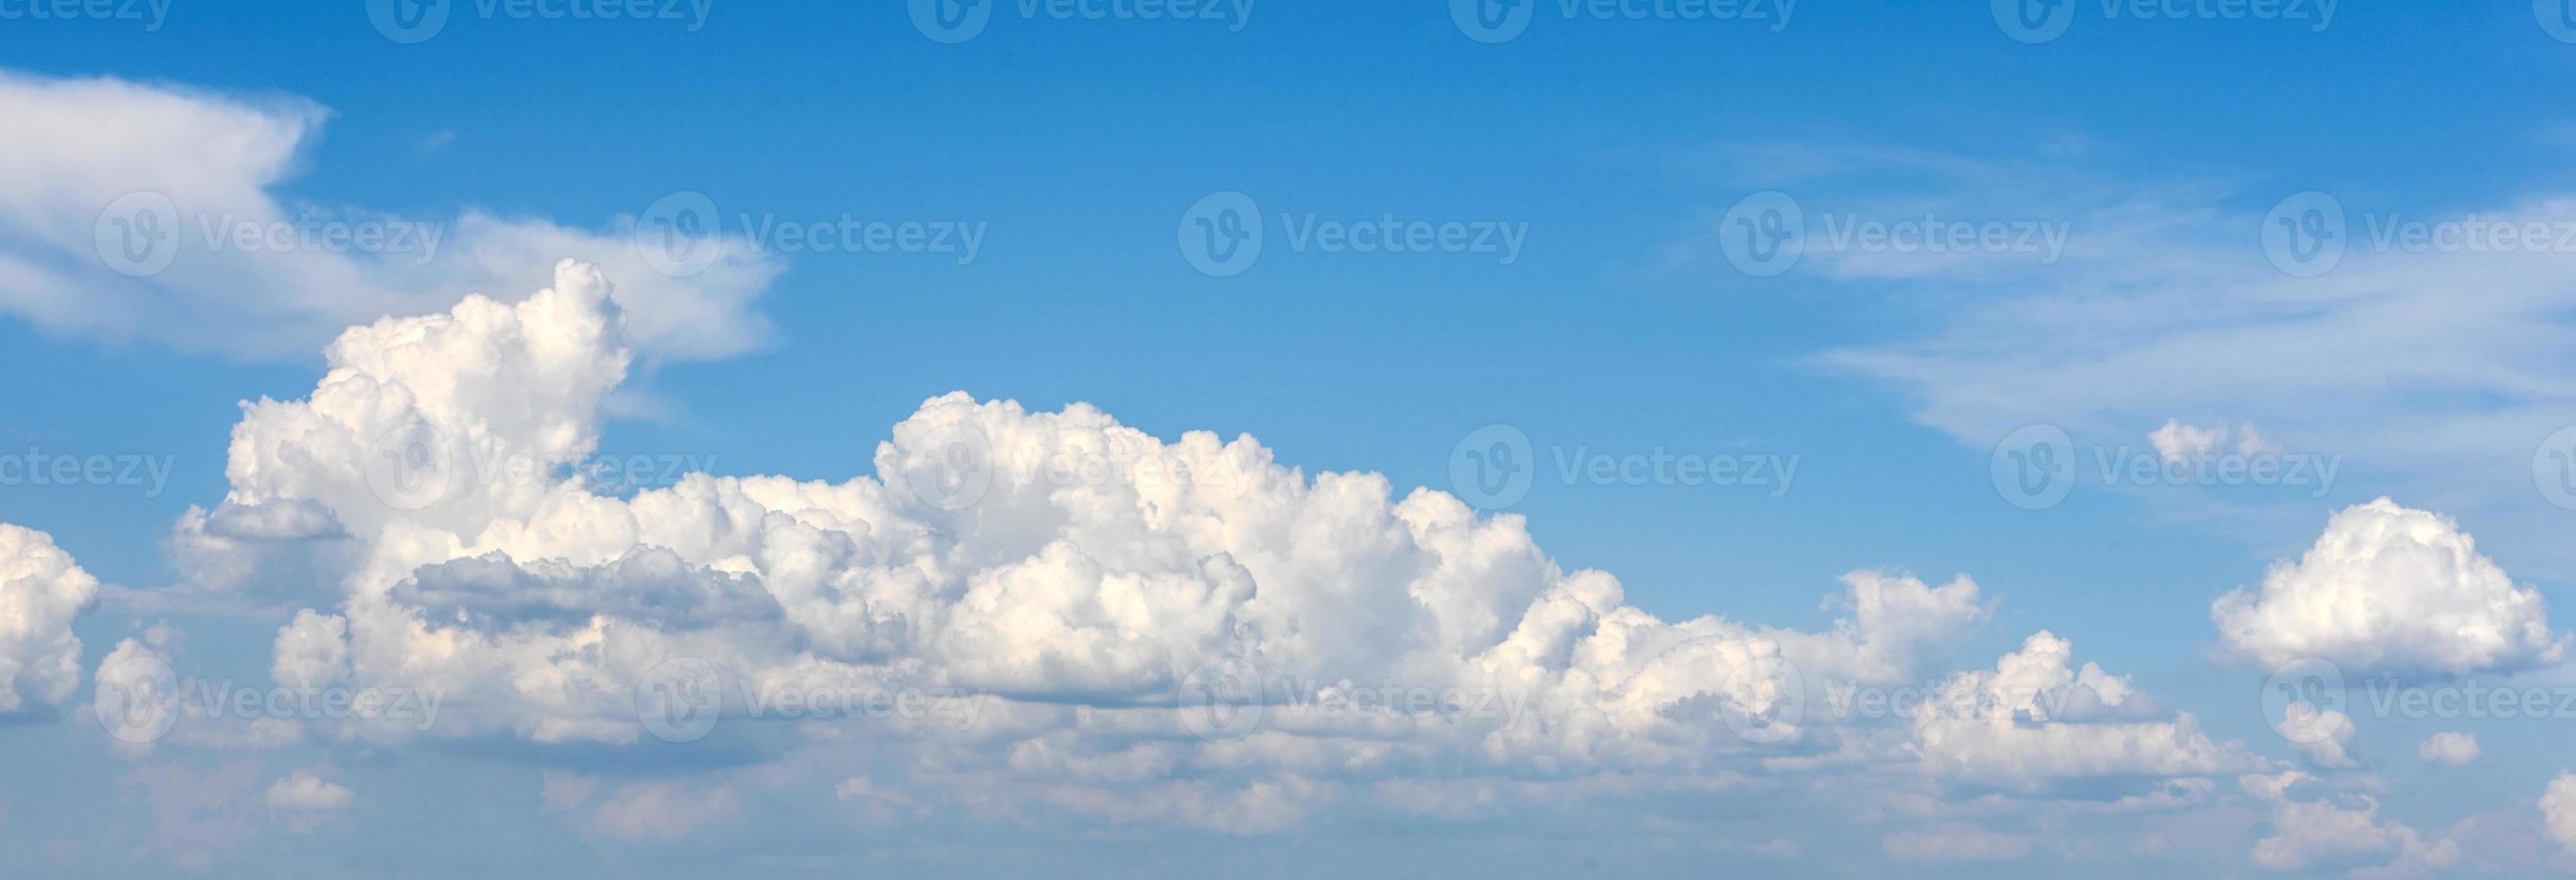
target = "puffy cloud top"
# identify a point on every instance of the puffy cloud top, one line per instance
(2390, 589)
(41, 590)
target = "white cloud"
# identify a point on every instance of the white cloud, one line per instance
(2180, 442)
(2332, 829)
(2034, 719)
(2389, 589)
(2448, 748)
(2558, 810)
(304, 799)
(79, 146)
(1074, 562)
(661, 811)
(2325, 735)
(41, 591)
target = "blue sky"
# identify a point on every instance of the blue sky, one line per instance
(2160, 142)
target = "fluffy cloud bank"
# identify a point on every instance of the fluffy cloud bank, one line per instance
(41, 590)
(1094, 612)
(2390, 589)
(146, 212)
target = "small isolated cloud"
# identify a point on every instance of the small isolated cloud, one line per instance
(2448, 748)
(2391, 590)
(661, 811)
(304, 799)
(2180, 442)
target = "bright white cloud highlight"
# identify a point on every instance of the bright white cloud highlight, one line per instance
(2390, 589)
(41, 591)
(2448, 748)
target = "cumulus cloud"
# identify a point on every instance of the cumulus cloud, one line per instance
(304, 799)
(2558, 810)
(126, 216)
(2448, 748)
(2333, 829)
(2394, 590)
(1080, 580)
(2034, 719)
(41, 591)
